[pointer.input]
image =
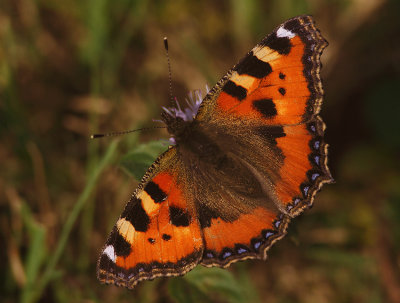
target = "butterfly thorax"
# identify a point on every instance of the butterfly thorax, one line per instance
(190, 140)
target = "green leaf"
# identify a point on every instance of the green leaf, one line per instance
(207, 285)
(138, 160)
(36, 252)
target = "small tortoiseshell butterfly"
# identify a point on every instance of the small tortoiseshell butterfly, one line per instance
(245, 160)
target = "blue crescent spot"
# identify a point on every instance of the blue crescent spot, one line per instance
(257, 245)
(314, 176)
(241, 250)
(268, 234)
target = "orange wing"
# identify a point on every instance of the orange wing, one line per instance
(158, 233)
(277, 83)
(247, 237)
(267, 106)
(275, 93)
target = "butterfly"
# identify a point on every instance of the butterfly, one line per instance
(243, 162)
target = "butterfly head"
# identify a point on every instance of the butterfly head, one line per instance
(177, 119)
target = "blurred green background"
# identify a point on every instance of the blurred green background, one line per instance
(71, 68)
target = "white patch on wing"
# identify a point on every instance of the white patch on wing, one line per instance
(283, 33)
(109, 251)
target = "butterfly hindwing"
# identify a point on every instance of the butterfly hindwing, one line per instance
(247, 237)
(158, 232)
(305, 169)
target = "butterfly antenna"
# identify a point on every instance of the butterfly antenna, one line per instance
(169, 69)
(113, 134)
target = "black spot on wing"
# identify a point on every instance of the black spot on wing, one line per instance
(282, 76)
(151, 240)
(166, 237)
(155, 192)
(266, 107)
(136, 215)
(121, 247)
(282, 91)
(206, 215)
(280, 44)
(179, 217)
(271, 133)
(252, 66)
(234, 90)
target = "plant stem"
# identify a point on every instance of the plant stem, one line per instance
(66, 231)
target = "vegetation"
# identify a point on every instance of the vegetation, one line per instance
(72, 68)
